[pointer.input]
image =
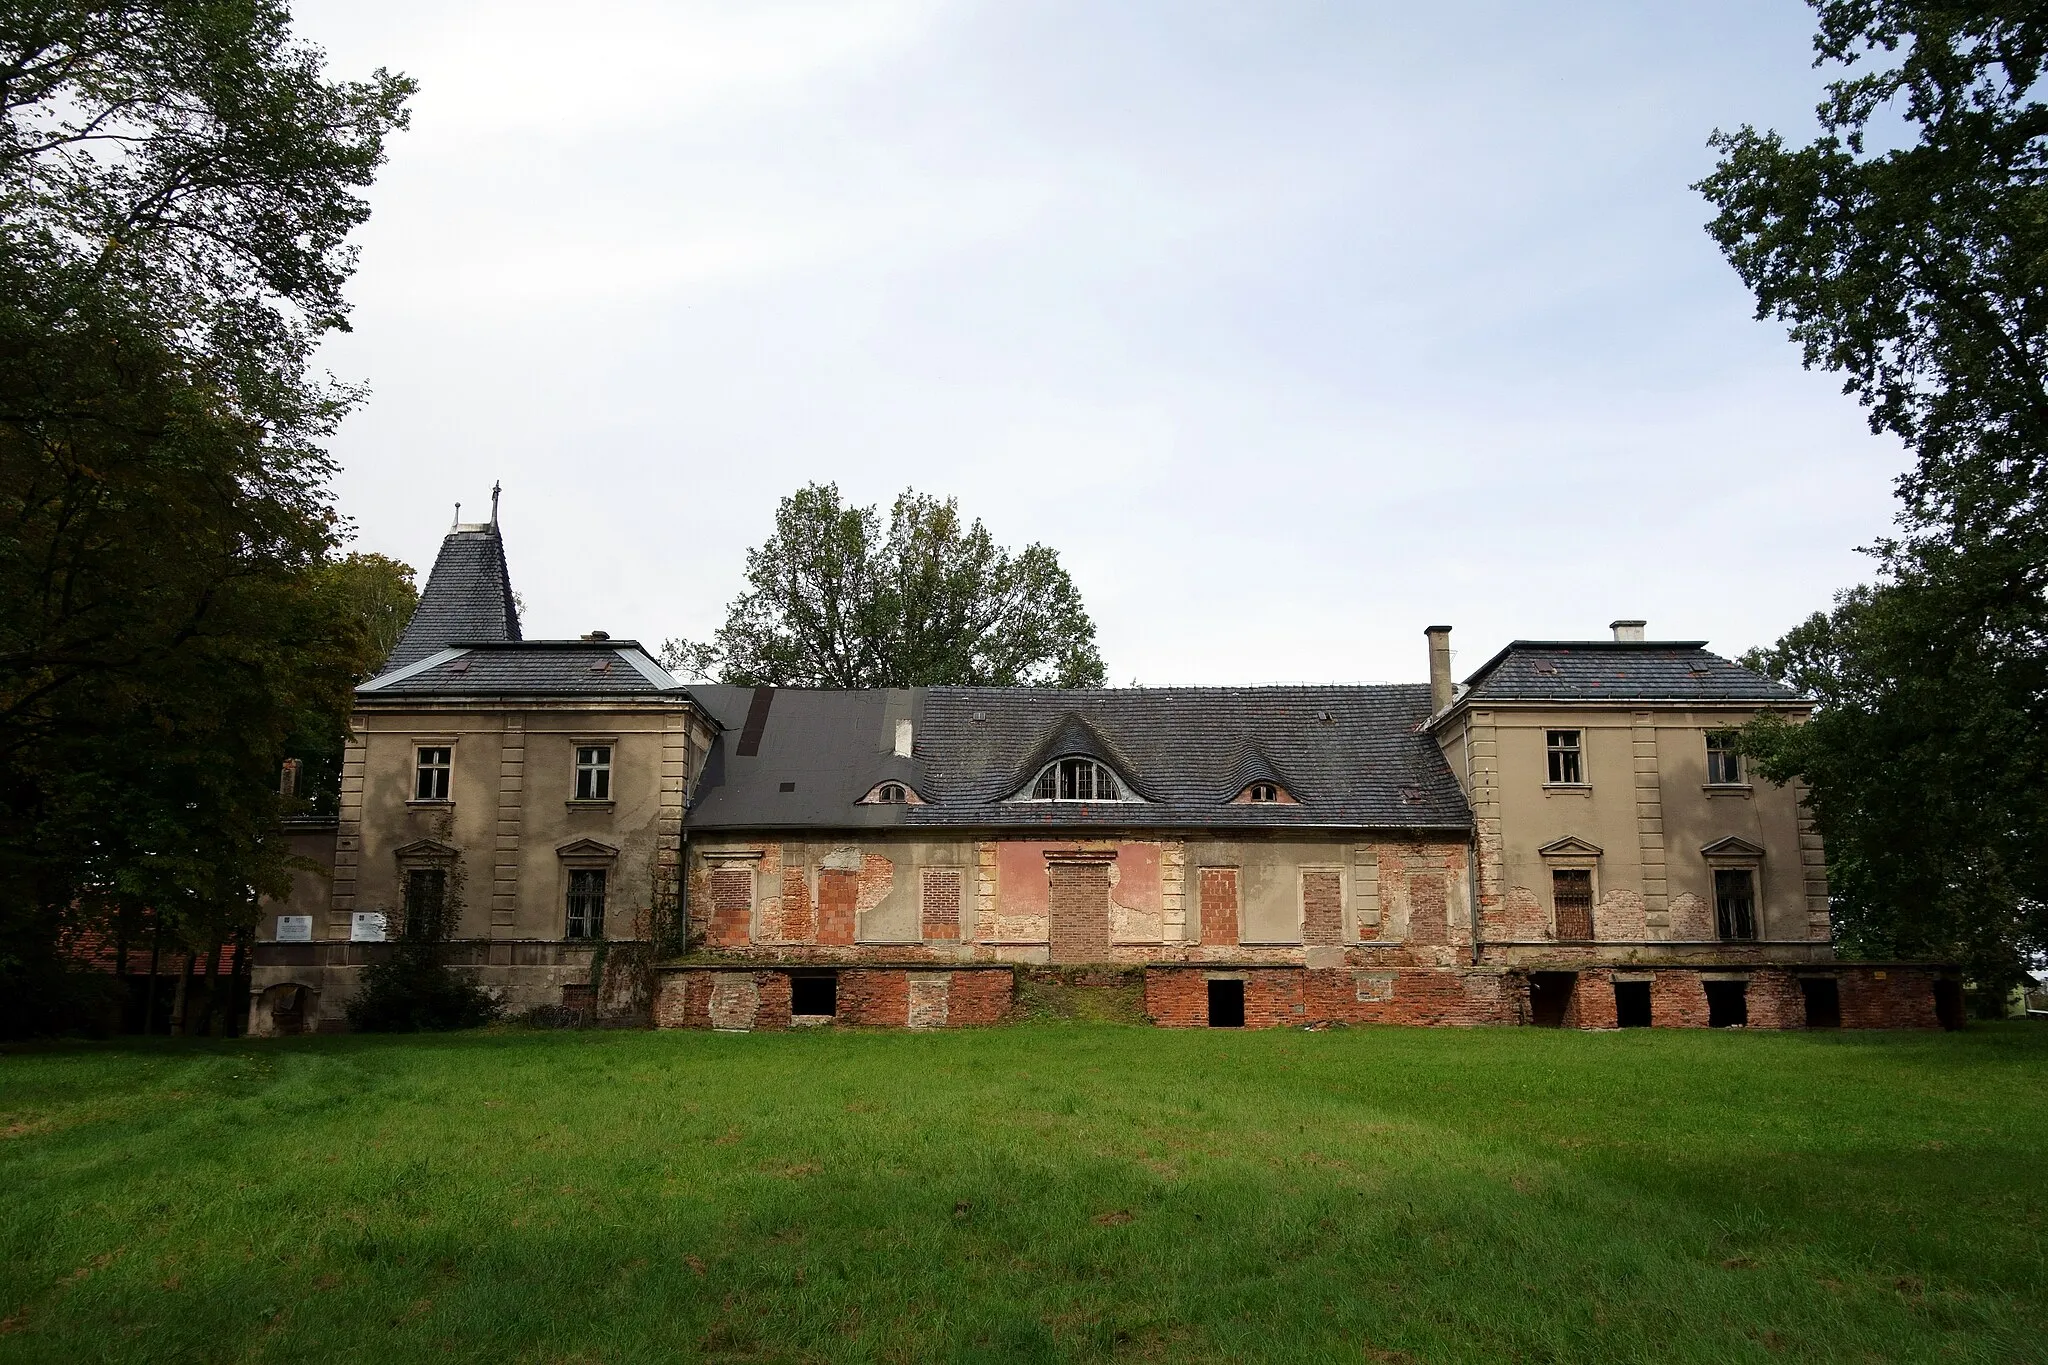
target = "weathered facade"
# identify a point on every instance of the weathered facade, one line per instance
(1563, 839)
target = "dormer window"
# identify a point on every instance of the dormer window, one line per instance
(891, 794)
(1262, 793)
(1076, 779)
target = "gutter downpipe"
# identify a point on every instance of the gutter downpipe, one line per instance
(1471, 848)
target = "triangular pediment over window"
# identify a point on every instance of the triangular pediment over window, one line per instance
(1732, 847)
(425, 850)
(586, 848)
(1571, 846)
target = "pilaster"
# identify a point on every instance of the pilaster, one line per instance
(1649, 795)
(511, 813)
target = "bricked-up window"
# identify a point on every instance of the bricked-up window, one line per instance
(1724, 761)
(586, 903)
(593, 772)
(941, 903)
(1735, 902)
(431, 768)
(1571, 895)
(1076, 779)
(1566, 766)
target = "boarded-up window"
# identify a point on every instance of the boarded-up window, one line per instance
(940, 903)
(1219, 905)
(1322, 909)
(1571, 893)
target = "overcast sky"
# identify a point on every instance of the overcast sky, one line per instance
(1293, 327)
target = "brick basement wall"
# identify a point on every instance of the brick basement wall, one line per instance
(1276, 997)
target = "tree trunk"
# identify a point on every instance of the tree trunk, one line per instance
(212, 1029)
(180, 1000)
(156, 954)
(238, 986)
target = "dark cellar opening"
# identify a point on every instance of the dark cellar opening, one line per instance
(1550, 996)
(1226, 1004)
(1632, 1004)
(1727, 1004)
(814, 995)
(1823, 1001)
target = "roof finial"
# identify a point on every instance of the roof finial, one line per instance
(458, 518)
(495, 486)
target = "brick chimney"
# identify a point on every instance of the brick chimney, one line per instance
(1628, 632)
(1440, 686)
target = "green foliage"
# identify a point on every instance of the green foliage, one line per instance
(1049, 1192)
(1905, 248)
(834, 602)
(413, 989)
(177, 183)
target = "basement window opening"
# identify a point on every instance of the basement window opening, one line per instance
(1550, 997)
(1727, 1004)
(1632, 1004)
(1566, 768)
(1823, 1001)
(814, 996)
(1226, 1004)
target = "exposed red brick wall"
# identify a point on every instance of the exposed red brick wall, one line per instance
(683, 1000)
(1080, 912)
(982, 997)
(1219, 908)
(774, 1010)
(1775, 1000)
(877, 998)
(1427, 922)
(732, 906)
(1178, 997)
(1902, 997)
(838, 894)
(1677, 1000)
(1592, 1004)
(940, 903)
(797, 923)
(1322, 909)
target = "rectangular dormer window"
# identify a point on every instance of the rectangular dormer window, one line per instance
(593, 772)
(1566, 765)
(433, 764)
(1724, 759)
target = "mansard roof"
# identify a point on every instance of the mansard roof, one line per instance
(468, 597)
(1618, 671)
(1356, 752)
(528, 668)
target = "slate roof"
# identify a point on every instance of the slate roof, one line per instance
(1353, 756)
(548, 668)
(1617, 670)
(468, 597)
(829, 748)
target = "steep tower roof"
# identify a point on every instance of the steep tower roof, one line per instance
(468, 596)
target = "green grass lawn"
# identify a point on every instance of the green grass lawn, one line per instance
(1059, 1191)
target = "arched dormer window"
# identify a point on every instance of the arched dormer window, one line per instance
(1262, 793)
(1076, 779)
(890, 794)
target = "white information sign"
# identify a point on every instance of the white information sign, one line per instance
(366, 926)
(294, 928)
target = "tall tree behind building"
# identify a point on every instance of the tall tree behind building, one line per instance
(1905, 248)
(835, 601)
(177, 186)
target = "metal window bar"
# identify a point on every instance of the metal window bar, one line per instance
(426, 896)
(1735, 903)
(586, 903)
(1571, 896)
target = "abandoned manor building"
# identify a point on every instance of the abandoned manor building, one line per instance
(1566, 837)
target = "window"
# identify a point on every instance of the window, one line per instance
(1735, 902)
(593, 772)
(1226, 1004)
(1262, 792)
(1727, 1004)
(1724, 761)
(426, 899)
(1076, 779)
(892, 794)
(1571, 895)
(431, 781)
(813, 997)
(1565, 767)
(1632, 1004)
(586, 903)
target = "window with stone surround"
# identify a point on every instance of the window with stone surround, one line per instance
(586, 903)
(432, 764)
(593, 772)
(1724, 759)
(1735, 902)
(1571, 898)
(1567, 768)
